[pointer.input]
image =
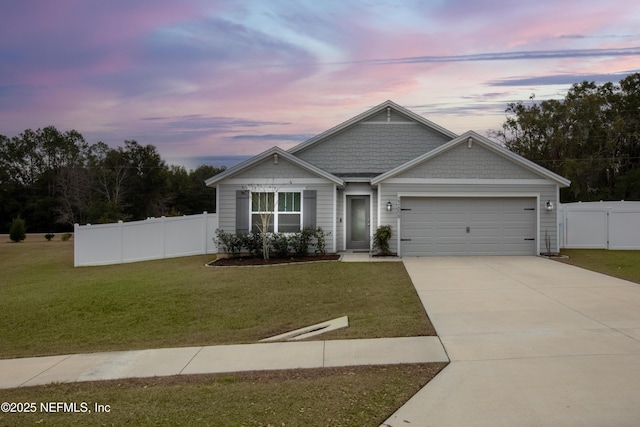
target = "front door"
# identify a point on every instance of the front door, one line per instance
(358, 222)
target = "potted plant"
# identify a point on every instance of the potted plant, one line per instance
(381, 240)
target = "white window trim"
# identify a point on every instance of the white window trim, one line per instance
(274, 218)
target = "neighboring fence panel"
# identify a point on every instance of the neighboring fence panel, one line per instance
(624, 230)
(154, 238)
(606, 225)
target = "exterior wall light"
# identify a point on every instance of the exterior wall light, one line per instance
(389, 206)
(549, 205)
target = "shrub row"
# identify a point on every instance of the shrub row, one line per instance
(280, 244)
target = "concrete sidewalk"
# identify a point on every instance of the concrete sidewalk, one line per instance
(218, 359)
(532, 342)
(366, 257)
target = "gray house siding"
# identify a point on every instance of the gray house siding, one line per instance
(461, 162)
(391, 116)
(324, 210)
(378, 147)
(544, 191)
(269, 169)
(341, 221)
(227, 207)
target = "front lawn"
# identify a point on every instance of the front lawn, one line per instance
(49, 307)
(354, 396)
(621, 264)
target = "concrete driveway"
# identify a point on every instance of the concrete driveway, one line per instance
(533, 342)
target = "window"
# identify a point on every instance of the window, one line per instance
(289, 212)
(283, 210)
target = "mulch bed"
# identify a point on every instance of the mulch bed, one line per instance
(251, 261)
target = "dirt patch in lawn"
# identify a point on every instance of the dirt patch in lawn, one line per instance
(245, 261)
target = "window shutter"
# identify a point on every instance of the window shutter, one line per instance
(309, 208)
(242, 211)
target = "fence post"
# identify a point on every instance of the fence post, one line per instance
(608, 227)
(76, 239)
(205, 234)
(164, 236)
(120, 233)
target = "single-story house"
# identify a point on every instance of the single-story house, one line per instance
(442, 193)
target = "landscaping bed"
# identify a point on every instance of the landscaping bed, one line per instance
(245, 261)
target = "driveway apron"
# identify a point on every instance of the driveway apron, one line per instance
(532, 342)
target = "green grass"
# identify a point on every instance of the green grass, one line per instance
(48, 307)
(356, 396)
(621, 264)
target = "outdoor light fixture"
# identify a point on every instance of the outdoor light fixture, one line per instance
(389, 206)
(549, 205)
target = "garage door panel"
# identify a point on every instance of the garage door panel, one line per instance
(449, 232)
(484, 232)
(418, 232)
(449, 217)
(489, 216)
(497, 226)
(450, 248)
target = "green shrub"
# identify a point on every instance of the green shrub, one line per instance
(18, 230)
(321, 244)
(252, 242)
(381, 239)
(301, 240)
(280, 243)
(49, 236)
(66, 236)
(231, 242)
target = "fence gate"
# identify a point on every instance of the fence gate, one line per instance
(605, 225)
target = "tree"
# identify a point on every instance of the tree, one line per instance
(37, 168)
(146, 196)
(592, 137)
(18, 230)
(109, 178)
(54, 179)
(263, 202)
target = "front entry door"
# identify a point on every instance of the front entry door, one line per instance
(358, 222)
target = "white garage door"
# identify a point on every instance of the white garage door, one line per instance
(468, 226)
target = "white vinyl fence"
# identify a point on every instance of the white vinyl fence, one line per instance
(606, 225)
(153, 238)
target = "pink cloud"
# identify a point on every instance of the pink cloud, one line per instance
(103, 67)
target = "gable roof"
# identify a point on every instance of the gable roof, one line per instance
(367, 114)
(485, 142)
(265, 155)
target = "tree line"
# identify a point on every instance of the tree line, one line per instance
(53, 179)
(591, 137)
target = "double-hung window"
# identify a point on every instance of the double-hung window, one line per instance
(282, 209)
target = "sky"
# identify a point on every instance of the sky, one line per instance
(210, 81)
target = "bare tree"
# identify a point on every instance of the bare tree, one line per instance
(264, 199)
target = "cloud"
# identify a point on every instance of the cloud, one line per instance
(462, 109)
(275, 137)
(212, 123)
(507, 56)
(560, 79)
